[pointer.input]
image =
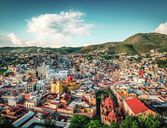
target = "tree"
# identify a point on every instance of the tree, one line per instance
(78, 121)
(141, 118)
(66, 89)
(94, 124)
(162, 63)
(113, 125)
(129, 122)
(152, 122)
(4, 123)
(103, 126)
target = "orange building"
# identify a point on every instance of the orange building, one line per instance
(109, 111)
(135, 107)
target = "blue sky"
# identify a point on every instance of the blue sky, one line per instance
(100, 21)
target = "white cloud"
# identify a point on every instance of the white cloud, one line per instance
(15, 40)
(5, 41)
(55, 30)
(162, 28)
(52, 30)
(10, 41)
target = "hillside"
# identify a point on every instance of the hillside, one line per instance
(63, 50)
(138, 43)
(144, 42)
(108, 46)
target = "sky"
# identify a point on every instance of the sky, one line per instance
(57, 23)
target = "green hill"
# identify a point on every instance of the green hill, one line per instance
(143, 42)
(63, 50)
(138, 43)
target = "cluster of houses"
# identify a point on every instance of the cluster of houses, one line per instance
(33, 94)
(140, 87)
(55, 87)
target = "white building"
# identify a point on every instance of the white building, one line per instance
(41, 70)
(13, 100)
(40, 85)
(59, 74)
(32, 102)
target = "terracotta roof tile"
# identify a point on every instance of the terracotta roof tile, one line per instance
(136, 105)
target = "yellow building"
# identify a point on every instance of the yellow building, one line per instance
(56, 87)
(72, 85)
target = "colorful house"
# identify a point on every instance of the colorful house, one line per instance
(56, 87)
(135, 107)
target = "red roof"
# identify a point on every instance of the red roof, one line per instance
(112, 115)
(136, 105)
(70, 78)
(67, 97)
(108, 101)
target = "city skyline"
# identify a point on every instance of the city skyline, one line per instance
(56, 23)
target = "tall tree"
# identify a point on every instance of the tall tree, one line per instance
(78, 121)
(4, 123)
(113, 125)
(94, 124)
(129, 122)
(152, 122)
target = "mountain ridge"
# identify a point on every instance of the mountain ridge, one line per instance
(135, 44)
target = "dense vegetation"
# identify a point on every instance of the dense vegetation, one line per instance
(147, 41)
(129, 122)
(162, 63)
(78, 121)
(4, 123)
(63, 50)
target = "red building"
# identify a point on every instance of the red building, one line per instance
(109, 111)
(135, 107)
